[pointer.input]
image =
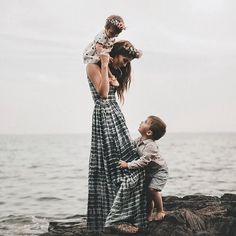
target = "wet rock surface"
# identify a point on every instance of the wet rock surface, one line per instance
(193, 215)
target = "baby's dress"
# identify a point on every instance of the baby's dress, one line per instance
(90, 55)
(114, 195)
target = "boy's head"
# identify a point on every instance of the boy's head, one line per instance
(114, 26)
(153, 127)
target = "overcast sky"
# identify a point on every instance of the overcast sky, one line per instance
(187, 74)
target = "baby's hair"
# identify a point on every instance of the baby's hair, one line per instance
(116, 23)
(158, 127)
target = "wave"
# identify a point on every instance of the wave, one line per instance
(49, 199)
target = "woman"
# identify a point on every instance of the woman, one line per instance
(115, 196)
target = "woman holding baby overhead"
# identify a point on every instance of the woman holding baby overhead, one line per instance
(115, 197)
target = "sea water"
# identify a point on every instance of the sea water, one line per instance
(44, 177)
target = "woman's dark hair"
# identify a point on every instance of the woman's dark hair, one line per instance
(123, 74)
(158, 127)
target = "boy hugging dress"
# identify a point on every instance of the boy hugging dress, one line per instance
(155, 166)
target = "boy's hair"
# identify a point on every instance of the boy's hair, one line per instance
(158, 127)
(116, 23)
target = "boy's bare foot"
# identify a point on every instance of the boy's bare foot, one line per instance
(159, 216)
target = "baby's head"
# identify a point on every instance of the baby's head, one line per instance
(153, 127)
(114, 26)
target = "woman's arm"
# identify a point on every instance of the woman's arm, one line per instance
(99, 76)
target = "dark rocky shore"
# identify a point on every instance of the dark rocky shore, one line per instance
(191, 215)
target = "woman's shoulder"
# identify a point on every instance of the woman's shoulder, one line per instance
(92, 67)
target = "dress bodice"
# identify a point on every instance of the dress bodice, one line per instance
(96, 96)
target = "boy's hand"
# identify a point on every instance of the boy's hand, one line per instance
(123, 164)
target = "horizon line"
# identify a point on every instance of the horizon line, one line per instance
(89, 133)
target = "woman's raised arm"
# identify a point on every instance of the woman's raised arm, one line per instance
(99, 76)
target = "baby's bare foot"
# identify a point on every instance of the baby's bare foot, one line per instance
(114, 82)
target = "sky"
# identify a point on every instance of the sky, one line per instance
(186, 76)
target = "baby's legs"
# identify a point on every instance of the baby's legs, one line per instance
(156, 200)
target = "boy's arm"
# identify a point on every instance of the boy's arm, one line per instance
(150, 152)
(135, 141)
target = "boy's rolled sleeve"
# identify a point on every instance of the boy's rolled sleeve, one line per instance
(150, 152)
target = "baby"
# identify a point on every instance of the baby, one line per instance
(152, 129)
(103, 42)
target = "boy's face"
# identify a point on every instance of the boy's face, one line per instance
(144, 126)
(111, 33)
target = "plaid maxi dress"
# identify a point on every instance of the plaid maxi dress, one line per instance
(114, 195)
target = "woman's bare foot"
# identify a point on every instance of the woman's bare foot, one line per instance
(125, 228)
(149, 218)
(159, 216)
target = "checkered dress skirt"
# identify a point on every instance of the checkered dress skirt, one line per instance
(114, 195)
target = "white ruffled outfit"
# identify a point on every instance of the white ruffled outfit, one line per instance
(90, 55)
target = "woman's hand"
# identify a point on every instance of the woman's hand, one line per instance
(123, 164)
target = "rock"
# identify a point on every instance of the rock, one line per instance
(193, 215)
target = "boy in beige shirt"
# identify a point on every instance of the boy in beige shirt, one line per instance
(152, 129)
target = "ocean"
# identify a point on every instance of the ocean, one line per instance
(44, 177)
